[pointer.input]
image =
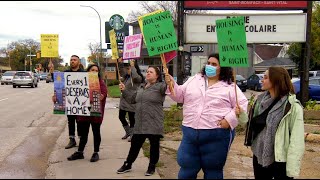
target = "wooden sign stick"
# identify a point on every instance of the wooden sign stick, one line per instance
(164, 64)
(118, 71)
(235, 86)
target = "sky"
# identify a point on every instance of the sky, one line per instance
(77, 26)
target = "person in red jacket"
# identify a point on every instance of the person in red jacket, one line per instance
(85, 121)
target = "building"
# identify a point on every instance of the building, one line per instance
(83, 61)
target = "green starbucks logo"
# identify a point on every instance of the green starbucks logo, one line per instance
(116, 21)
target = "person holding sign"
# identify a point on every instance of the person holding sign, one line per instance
(275, 130)
(95, 121)
(74, 67)
(209, 119)
(131, 80)
(149, 117)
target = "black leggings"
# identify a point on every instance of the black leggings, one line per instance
(84, 132)
(122, 117)
(137, 141)
(276, 170)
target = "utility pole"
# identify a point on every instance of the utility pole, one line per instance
(180, 18)
(305, 58)
(30, 55)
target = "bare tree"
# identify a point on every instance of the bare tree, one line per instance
(151, 6)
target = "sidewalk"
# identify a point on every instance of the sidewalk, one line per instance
(113, 152)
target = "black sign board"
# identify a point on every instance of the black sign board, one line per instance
(120, 46)
(194, 49)
(120, 34)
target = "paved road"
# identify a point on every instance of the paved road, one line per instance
(28, 130)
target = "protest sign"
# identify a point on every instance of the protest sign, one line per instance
(78, 93)
(132, 46)
(114, 45)
(49, 45)
(159, 33)
(232, 44)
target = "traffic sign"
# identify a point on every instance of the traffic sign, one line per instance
(194, 49)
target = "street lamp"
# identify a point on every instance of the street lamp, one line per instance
(100, 32)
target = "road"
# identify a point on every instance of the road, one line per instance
(28, 130)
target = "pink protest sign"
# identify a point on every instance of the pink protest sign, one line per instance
(170, 55)
(132, 46)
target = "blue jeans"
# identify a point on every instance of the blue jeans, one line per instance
(205, 149)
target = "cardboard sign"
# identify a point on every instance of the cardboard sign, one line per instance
(159, 33)
(232, 44)
(49, 45)
(114, 45)
(78, 93)
(132, 46)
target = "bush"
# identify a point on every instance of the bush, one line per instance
(113, 82)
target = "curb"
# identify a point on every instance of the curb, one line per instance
(310, 137)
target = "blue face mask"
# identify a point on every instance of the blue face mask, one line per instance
(211, 71)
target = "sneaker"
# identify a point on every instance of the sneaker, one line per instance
(75, 156)
(129, 138)
(126, 167)
(72, 143)
(95, 157)
(125, 136)
(150, 171)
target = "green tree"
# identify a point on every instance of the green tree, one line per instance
(18, 51)
(294, 51)
(151, 6)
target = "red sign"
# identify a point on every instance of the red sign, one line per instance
(247, 5)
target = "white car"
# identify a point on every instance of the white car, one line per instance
(7, 77)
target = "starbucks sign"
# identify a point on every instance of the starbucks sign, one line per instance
(116, 21)
(121, 28)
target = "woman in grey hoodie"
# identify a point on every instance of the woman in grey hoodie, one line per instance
(149, 117)
(132, 80)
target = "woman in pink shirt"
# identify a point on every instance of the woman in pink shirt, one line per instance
(209, 119)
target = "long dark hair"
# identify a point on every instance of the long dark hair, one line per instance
(226, 74)
(91, 65)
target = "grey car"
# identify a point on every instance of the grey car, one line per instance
(24, 78)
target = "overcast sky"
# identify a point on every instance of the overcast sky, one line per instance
(77, 26)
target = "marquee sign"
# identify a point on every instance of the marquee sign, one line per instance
(260, 28)
(246, 5)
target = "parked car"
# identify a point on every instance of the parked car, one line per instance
(314, 88)
(241, 82)
(255, 82)
(314, 73)
(24, 78)
(37, 76)
(7, 77)
(43, 76)
(49, 78)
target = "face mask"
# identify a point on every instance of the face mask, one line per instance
(211, 71)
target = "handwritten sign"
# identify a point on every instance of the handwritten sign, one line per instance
(159, 33)
(132, 46)
(49, 45)
(232, 42)
(114, 45)
(78, 93)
